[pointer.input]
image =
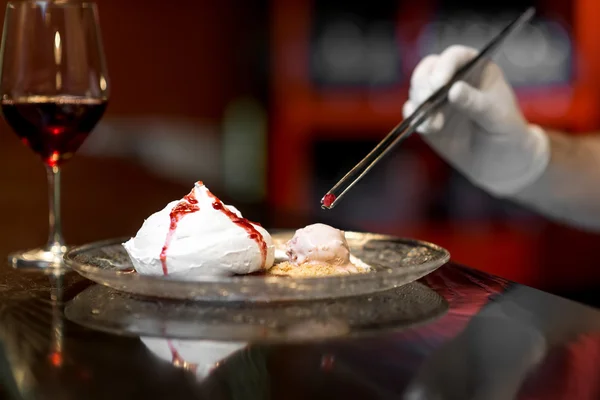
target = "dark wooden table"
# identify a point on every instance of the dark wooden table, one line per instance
(496, 340)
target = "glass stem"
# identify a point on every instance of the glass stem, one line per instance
(56, 243)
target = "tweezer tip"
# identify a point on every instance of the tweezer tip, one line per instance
(328, 201)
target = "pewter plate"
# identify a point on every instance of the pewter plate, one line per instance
(394, 262)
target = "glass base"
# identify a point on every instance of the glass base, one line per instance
(37, 259)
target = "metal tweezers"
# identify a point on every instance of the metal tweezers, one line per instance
(420, 115)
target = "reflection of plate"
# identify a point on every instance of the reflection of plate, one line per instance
(102, 308)
(394, 262)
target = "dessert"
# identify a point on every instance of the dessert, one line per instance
(318, 250)
(199, 235)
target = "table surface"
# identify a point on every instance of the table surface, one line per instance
(495, 340)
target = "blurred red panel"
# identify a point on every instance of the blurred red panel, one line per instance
(302, 113)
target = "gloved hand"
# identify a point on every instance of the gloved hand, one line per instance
(481, 130)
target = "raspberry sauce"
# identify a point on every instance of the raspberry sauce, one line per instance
(187, 205)
(54, 127)
(243, 223)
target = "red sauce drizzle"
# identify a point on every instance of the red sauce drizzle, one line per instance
(243, 223)
(328, 199)
(178, 361)
(187, 205)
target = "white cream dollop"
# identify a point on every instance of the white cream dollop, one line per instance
(205, 242)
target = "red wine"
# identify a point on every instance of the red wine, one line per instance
(53, 127)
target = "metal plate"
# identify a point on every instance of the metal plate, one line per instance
(394, 262)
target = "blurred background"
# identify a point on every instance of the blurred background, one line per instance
(270, 102)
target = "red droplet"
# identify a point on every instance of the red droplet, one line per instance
(328, 199)
(56, 358)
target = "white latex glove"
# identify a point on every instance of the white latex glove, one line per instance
(481, 131)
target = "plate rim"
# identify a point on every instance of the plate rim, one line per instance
(85, 269)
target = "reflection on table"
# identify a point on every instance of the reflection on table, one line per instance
(497, 340)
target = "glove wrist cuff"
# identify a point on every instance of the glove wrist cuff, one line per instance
(536, 156)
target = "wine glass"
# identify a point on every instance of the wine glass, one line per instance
(54, 89)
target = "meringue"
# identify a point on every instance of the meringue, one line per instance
(197, 236)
